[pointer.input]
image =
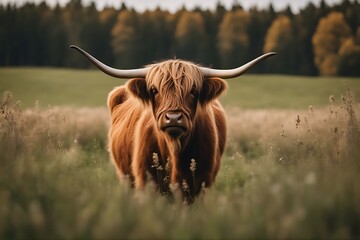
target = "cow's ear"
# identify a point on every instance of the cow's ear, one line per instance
(137, 87)
(212, 88)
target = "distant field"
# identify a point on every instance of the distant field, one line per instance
(89, 88)
(57, 86)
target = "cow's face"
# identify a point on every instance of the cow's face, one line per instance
(174, 90)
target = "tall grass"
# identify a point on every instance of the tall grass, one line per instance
(285, 174)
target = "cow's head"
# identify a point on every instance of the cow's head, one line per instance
(174, 89)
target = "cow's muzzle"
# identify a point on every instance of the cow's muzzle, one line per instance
(174, 124)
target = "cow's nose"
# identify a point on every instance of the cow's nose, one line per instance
(173, 117)
(174, 123)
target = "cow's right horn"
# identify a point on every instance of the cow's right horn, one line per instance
(231, 73)
(118, 73)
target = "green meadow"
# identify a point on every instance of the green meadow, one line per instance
(89, 88)
(290, 170)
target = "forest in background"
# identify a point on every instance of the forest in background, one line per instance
(319, 40)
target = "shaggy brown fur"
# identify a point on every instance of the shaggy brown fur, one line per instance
(136, 138)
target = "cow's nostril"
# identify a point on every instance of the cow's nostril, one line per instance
(179, 119)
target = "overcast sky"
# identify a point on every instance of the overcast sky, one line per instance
(173, 5)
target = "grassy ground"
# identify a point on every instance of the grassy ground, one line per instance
(90, 88)
(281, 91)
(287, 173)
(57, 86)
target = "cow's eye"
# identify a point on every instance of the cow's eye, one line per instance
(153, 91)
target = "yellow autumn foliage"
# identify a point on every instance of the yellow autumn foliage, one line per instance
(332, 31)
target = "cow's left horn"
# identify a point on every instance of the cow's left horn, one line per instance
(118, 73)
(231, 73)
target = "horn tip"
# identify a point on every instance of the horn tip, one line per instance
(73, 46)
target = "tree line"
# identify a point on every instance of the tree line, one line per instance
(318, 40)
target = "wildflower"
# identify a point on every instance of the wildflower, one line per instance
(335, 129)
(156, 162)
(298, 121)
(282, 133)
(192, 165)
(166, 179)
(167, 165)
(155, 159)
(185, 186)
(311, 108)
(167, 169)
(203, 187)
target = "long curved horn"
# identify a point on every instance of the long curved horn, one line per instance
(231, 73)
(118, 73)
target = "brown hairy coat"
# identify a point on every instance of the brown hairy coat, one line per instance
(143, 146)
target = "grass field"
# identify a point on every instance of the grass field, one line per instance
(81, 88)
(289, 171)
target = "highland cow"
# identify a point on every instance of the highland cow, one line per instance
(167, 124)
